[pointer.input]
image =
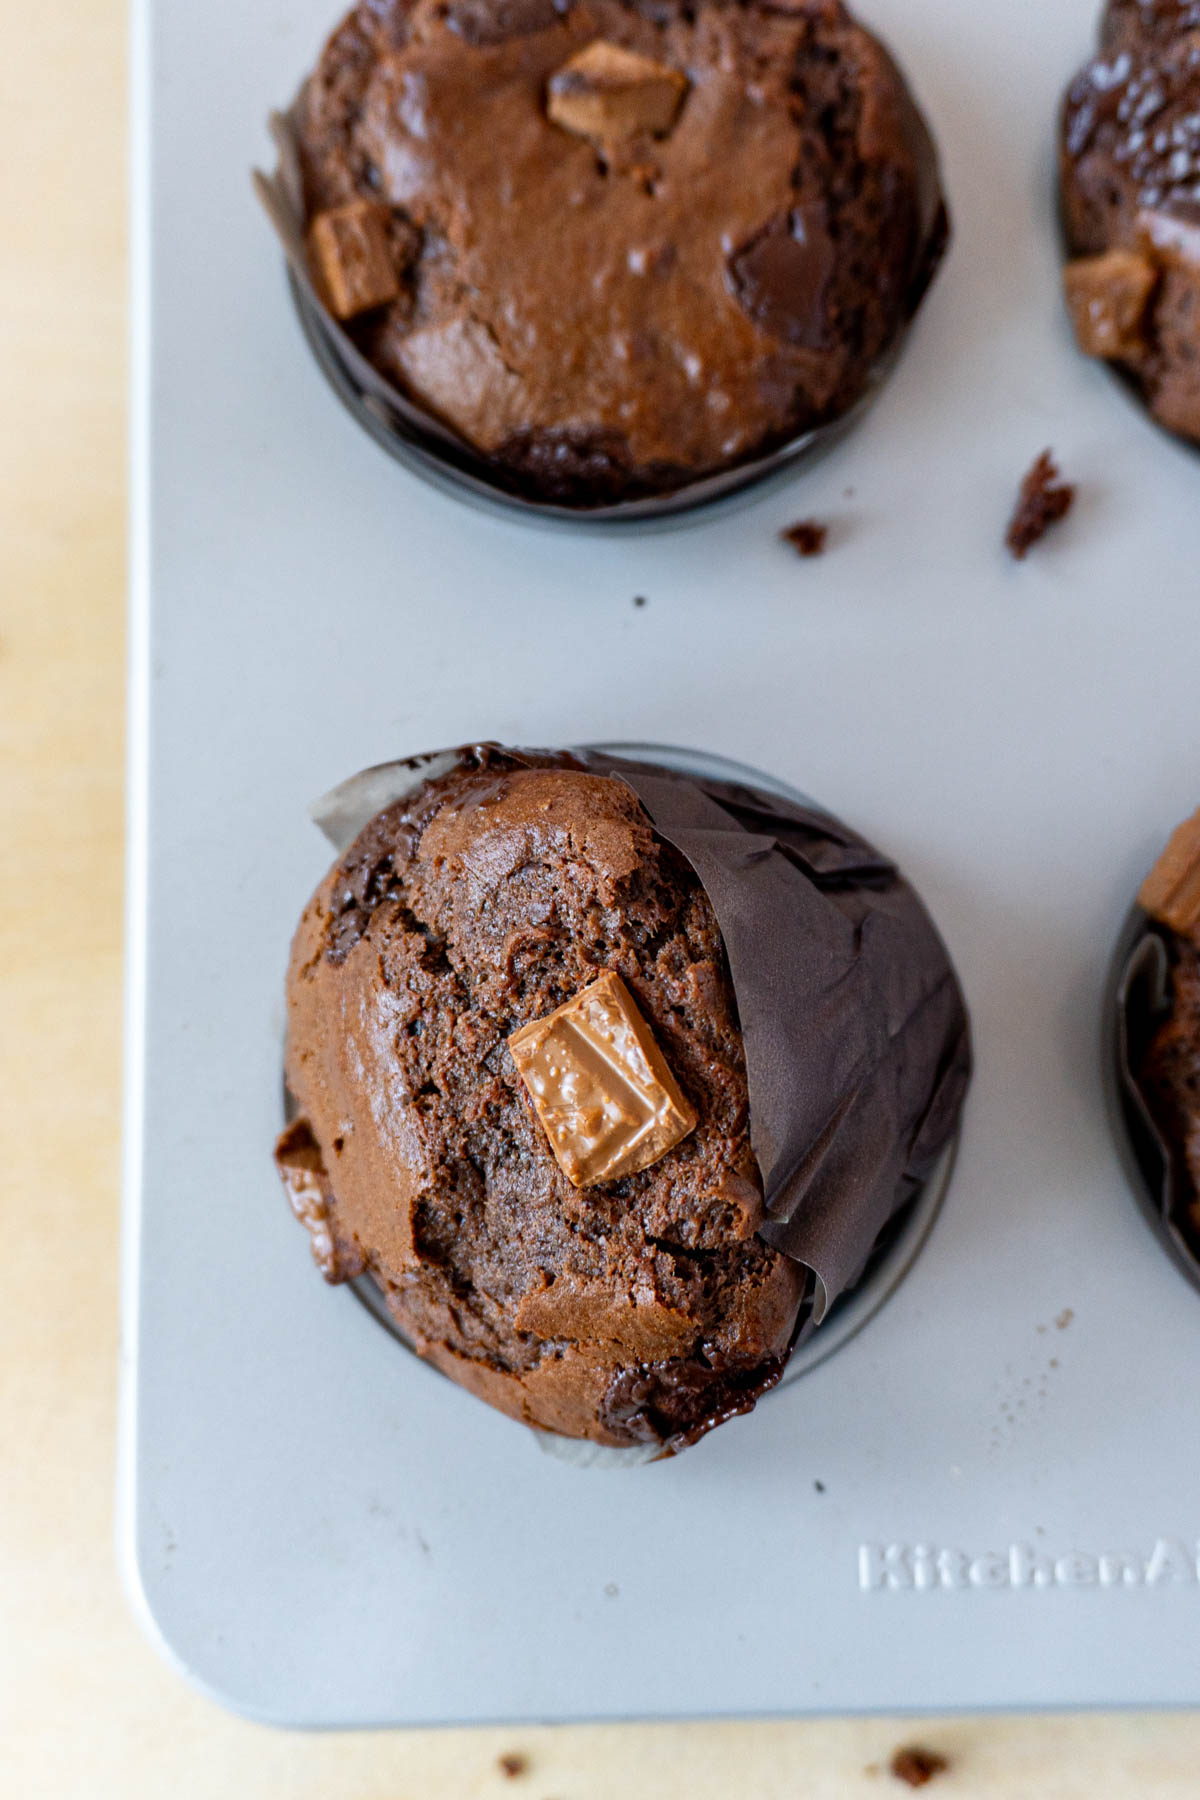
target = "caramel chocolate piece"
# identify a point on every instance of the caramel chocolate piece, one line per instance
(610, 95)
(604, 1095)
(349, 250)
(1171, 891)
(1107, 297)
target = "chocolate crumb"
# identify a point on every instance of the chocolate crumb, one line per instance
(639, 599)
(917, 1766)
(511, 1766)
(807, 538)
(820, 1486)
(1044, 500)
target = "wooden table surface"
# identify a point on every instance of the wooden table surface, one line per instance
(86, 1707)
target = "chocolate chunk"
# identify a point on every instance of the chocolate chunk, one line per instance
(350, 252)
(1107, 297)
(512, 1765)
(1043, 500)
(610, 95)
(459, 366)
(916, 1766)
(806, 538)
(674, 1403)
(781, 277)
(604, 1095)
(482, 23)
(1171, 891)
(302, 1169)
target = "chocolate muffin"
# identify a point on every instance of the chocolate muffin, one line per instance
(617, 245)
(1169, 1073)
(521, 1099)
(1130, 174)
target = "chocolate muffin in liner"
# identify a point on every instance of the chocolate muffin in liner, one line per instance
(857, 1050)
(1129, 206)
(1142, 1014)
(554, 476)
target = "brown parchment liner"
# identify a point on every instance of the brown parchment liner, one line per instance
(1140, 1001)
(416, 435)
(855, 1029)
(282, 196)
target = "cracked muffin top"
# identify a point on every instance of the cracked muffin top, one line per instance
(615, 246)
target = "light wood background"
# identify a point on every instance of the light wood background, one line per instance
(86, 1707)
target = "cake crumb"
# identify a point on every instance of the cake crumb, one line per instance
(511, 1765)
(1044, 499)
(1064, 1318)
(917, 1766)
(807, 538)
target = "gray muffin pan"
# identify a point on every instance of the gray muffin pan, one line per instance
(987, 1497)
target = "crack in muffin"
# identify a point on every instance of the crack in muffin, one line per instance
(605, 317)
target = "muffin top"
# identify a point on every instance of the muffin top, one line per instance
(617, 246)
(1132, 124)
(1128, 21)
(641, 1309)
(1131, 202)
